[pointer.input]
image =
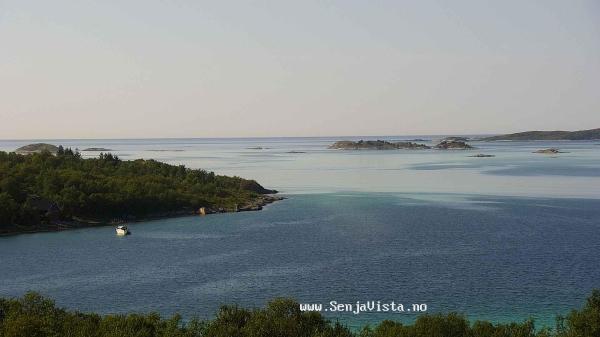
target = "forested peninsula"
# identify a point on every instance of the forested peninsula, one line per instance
(45, 191)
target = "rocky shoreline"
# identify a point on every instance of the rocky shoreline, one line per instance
(450, 143)
(453, 145)
(549, 151)
(76, 223)
(377, 145)
(482, 155)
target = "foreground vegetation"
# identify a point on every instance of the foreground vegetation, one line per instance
(36, 316)
(40, 189)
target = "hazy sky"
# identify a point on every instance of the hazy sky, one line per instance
(108, 69)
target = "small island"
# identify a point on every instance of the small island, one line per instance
(377, 145)
(549, 151)
(592, 134)
(456, 139)
(96, 149)
(446, 144)
(37, 148)
(453, 145)
(53, 191)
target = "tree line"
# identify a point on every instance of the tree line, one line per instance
(37, 187)
(35, 316)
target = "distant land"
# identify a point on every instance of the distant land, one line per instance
(452, 144)
(592, 134)
(446, 144)
(549, 151)
(96, 149)
(37, 148)
(376, 145)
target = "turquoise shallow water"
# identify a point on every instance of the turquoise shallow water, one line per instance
(501, 238)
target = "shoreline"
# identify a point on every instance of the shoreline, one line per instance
(63, 225)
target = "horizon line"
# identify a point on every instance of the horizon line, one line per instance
(272, 137)
(254, 137)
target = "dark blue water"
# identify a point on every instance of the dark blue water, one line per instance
(495, 258)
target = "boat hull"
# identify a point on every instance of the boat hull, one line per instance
(122, 232)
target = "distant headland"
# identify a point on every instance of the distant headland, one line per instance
(592, 134)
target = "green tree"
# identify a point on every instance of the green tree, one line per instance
(584, 322)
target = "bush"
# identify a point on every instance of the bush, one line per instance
(36, 316)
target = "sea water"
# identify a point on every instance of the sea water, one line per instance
(502, 238)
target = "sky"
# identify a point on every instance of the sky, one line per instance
(144, 69)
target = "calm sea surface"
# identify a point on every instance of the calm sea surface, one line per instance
(502, 238)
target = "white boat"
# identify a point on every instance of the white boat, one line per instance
(122, 230)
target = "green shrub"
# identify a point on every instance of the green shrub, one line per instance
(36, 316)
